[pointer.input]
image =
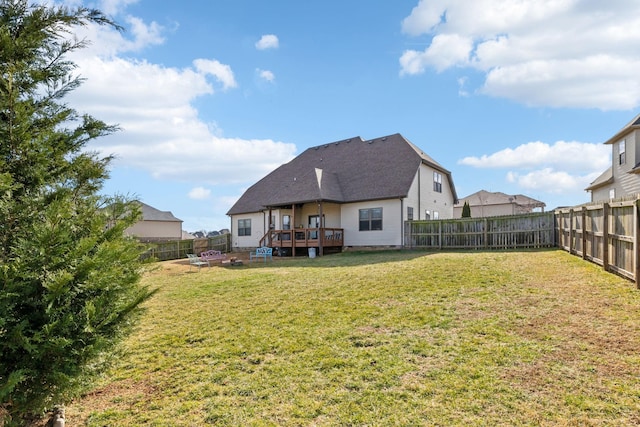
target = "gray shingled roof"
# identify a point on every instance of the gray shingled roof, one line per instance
(605, 178)
(345, 171)
(484, 197)
(633, 124)
(150, 213)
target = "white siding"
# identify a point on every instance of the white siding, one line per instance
(625, 183)
(422, 197)
(391, 233)
(258, 229)
(169, 230)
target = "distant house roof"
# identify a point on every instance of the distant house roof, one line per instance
(150, 213)
(344, 171)
(483, 197)
(605, 178)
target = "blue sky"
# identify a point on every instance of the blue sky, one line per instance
(514, 96)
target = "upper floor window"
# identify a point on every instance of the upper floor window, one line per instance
(244, 227)
(409, 213)
(437, 182)
(370, 219)
(622, 151)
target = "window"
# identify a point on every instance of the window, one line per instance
(436, 215)
(370, 219)
(622, 151)
(437, 182)
(244, 227)
(286, 222)
(409, 213)
(612, 193)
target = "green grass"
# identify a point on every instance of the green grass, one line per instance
(379, 339)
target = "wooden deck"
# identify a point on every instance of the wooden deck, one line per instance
(303, 238)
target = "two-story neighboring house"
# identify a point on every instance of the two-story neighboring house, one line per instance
(623, 177)
(348, 193)
(485, 203)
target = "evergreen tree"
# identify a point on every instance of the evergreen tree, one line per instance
(466, 210)
(69, 277)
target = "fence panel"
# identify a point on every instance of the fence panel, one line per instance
(604, 233)
(535, 230)
(177, 249)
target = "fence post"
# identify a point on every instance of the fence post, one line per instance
(636, 240)
(485, 233)
(572, 233)
(584, 232)
(605, 236)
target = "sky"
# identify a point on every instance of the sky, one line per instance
(515, 96)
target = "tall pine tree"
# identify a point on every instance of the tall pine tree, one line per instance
(69, 277)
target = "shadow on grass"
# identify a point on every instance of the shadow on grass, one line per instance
(371, 257)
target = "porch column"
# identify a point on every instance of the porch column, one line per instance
(320, 230)
(293, 230)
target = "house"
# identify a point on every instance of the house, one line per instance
(623, 177)
(484, 203)
(348, 193)
(156, 225)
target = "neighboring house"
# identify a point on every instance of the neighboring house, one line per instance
(156, 225)
(623, 177)
(348, 193)
(485, 203)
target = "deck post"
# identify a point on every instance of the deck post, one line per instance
(320, 230)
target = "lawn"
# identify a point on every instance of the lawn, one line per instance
(388, 338)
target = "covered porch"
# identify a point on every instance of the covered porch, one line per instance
(298, 241)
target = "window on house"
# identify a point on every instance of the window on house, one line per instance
(244, 227)
(409, 213)
(436, 215)
(437, 182)
(612, 193)
(370, 219)
(286, 222)
(622, 151)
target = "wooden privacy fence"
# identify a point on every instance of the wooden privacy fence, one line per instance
(530, 231)
(176, 249)
(605, 233)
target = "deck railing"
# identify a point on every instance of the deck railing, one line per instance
(304, 238)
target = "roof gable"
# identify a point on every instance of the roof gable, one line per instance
(150, 213)
(348, 170)
(633, 124)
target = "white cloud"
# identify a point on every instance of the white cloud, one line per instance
(267, 41)
(560, 53)
(561, 168)
(220, 71)
(161, 131)
(266, 75)
(199, 193)
(551, 181)
(574, 156)
(113, 7)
